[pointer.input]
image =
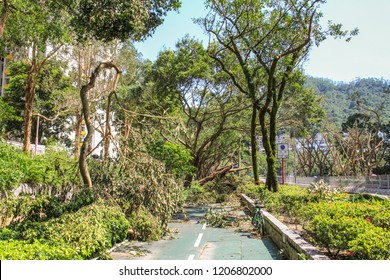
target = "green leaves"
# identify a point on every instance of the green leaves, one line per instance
(116, 19)
(53, 169)
(348, 226)
(79, 235)
(177, 159)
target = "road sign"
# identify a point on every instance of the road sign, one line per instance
(283, 150)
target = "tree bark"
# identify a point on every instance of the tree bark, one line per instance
(77, 144)
(254, 147)
(3, 17)
(28, 106)
(86, 112)
(107, 134)
(217, 173)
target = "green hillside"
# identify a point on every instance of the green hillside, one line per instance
(341, 100)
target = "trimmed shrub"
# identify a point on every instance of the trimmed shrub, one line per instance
(373, 244)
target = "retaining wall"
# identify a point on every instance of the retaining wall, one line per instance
(289, 241)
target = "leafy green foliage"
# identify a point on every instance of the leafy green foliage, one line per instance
(138, 183)
(342, 100)
(25, 250)
(335, 234)
(373, 244)
(49, 101)
(177, 159)
(24, 208)
(7, 114)
(53, 170)
(10, 173)
(116, 19)
(202, 105)
(145, 226)
(348, 226)
(197, 195)
(92, 229)
(82, 234)
(220, 219)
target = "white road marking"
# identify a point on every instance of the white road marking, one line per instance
(204, 227)
(191, 257)
(197, 243)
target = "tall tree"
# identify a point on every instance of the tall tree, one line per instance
(207, 103)
(86, 113)
(267, 41)
(38, 33)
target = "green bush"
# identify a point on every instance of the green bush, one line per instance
(197, 195)
(89, 231)
(335, 234)
(286, 201)
(133, 184)
(54, 170)
(25, 250)
(24, 208)
(373, 244)
(12, 164)
(177, 159)
(348, 226)
(145, 226)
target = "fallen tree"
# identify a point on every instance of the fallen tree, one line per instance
(220, 172)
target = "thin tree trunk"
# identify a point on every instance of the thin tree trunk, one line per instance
(254, 152)
(86, 143)
(3, 17)
(107, 134)
(28, 108)
(86, 112)
(77, 144)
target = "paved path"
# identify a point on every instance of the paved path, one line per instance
(197, 241)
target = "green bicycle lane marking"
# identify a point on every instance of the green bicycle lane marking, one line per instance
(195, 241)
(198, 243)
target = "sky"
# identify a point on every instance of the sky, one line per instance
(365, 56)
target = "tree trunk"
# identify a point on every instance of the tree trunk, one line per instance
(107, 134)
(28, 112)
(28, 109)
(254, 152)
(86, 112)
(77, 144)
(3, 18)
(272, 178)
(87, 140)
(217, 173)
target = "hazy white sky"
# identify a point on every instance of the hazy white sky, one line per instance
(367, 55)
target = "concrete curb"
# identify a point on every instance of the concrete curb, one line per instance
(292, 244)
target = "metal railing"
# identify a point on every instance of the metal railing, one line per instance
(376, 182)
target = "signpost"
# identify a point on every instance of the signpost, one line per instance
(282, 154)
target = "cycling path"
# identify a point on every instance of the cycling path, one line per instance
(197, 241)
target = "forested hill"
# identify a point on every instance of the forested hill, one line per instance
(344, 99)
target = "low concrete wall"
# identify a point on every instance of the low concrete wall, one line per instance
(289, 241)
